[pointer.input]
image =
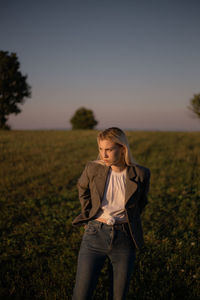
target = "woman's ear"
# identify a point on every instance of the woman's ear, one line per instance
(123, 150)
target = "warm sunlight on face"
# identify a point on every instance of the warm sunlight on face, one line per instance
(112, 154)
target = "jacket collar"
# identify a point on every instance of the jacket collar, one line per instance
(131, 181)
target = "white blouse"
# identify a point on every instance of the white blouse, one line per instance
(113, 202)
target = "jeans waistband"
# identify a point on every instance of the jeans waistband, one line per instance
(102, 220)
(115, 226)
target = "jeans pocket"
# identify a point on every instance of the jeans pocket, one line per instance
(126, 230)
(91, 229)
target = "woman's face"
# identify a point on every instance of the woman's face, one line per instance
(112, 154)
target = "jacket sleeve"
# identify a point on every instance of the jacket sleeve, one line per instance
(145, 185)
(84, 193)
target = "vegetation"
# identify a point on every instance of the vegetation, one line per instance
(83, 119)
(38, 201)
(13, 87)
(194, 106)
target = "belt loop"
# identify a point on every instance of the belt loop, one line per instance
(99, 225)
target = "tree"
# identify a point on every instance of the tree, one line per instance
(13, 87)
(83, 119)
(194, 106)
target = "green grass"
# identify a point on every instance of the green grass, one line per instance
(38, 201)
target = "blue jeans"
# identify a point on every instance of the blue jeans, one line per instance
(100, 241)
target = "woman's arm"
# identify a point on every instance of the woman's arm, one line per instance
(84, 193)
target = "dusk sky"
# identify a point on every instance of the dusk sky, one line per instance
(136, 64)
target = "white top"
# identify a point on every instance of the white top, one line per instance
(113, 202)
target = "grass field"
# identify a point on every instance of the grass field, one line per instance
(38, 201)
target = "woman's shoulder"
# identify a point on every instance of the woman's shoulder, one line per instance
(95, 165)
(142, 172)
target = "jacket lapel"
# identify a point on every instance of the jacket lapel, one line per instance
(100, 179)
(131, 183)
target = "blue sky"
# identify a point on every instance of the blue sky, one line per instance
(136, 64)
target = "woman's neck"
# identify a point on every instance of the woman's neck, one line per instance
(118, 168)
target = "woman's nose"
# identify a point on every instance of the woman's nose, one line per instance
(105, 154)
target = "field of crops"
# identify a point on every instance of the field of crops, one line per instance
(38, 201)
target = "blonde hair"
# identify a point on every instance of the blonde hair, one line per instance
(118, 137)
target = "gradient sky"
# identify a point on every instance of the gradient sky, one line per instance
(136, 64)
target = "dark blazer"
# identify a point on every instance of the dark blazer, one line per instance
(91, 187)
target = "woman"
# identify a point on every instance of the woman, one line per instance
(113, 193)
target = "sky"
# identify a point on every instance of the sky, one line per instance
(136, 64)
